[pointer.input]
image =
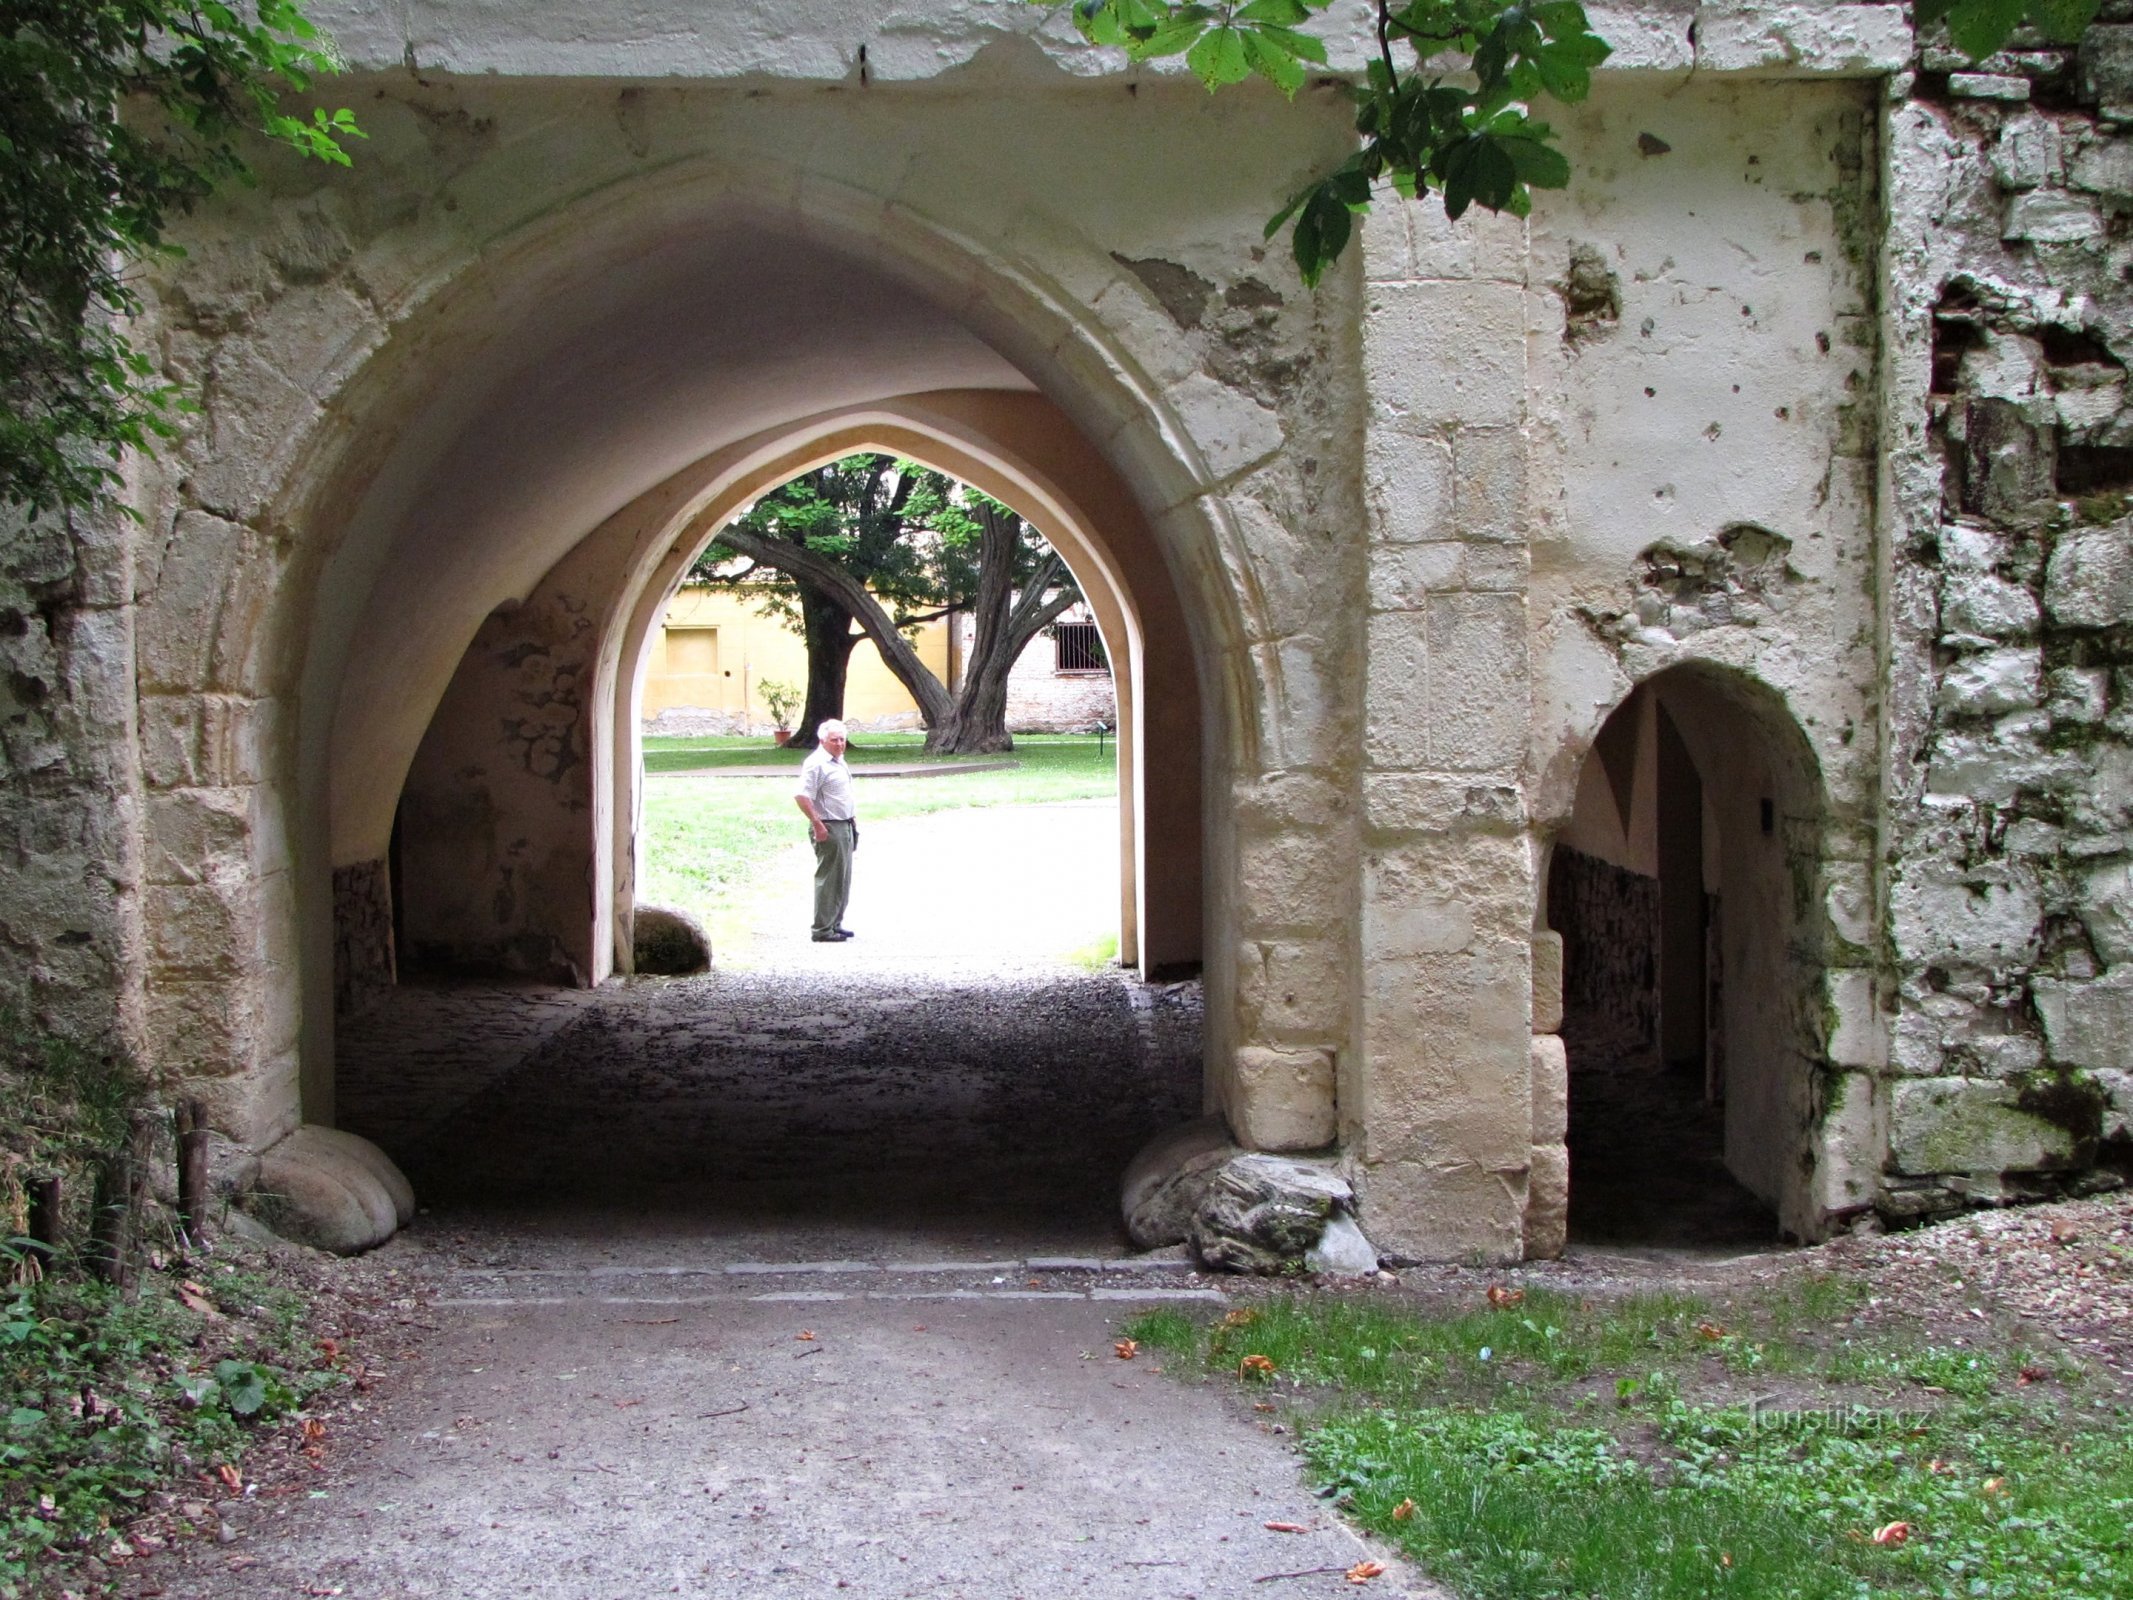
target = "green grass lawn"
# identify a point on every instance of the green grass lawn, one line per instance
(708, 836)
(1780, 1446)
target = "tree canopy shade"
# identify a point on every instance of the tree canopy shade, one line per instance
(1447, 103)
(115, 116)
(880, 545)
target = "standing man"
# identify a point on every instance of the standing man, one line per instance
(825, 796)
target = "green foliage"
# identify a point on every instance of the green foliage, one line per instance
(115, 117)
(108, 1400)
(1457, 117)
(782, 698)
(1979, 27)
(1551, 1447)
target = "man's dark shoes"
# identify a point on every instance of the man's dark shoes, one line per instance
(846, 933)
(835, 936)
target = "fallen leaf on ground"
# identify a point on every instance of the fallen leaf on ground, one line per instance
(1402, 1511)
(314, 1429)
(1993, 1486)
(1364, 1571)
(1286, 1527)
(1892, 1533)
(1126, 1349)
(1243, 1317)
(330, 1349)
(805, 1334)
(1264, 1405)
(193, 1297)
(1500, 1297)
(230, 1475)
(1711, 1330)
(1256, 1367)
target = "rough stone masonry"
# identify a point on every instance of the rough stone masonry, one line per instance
(1757, 518)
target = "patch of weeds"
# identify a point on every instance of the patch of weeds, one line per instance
(1545, 1448)
(1169, 1331)
(106, 1400)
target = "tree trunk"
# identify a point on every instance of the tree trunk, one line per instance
(1005, 624)
(897, 652)
(830, 641)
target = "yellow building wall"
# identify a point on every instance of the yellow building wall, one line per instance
(714, 648)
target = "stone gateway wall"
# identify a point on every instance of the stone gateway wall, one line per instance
(1805, 404)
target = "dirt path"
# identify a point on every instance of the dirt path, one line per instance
(782, 1283)
(593, 1438)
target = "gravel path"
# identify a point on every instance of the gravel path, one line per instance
(782, 1282)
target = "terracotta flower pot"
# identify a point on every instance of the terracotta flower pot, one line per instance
(783, 736)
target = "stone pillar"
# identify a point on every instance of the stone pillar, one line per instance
(69, 782)
(1437, 1101)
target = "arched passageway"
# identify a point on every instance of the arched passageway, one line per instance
(526, 786)
(1684, 888)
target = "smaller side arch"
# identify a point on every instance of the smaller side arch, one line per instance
(1686, 882)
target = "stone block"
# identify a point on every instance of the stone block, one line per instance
(1985, 605)
(1987, 86)
(1440, 354)
(2105, 63)
(1551, 1090)
(2077, 695)
(1293, 881)
(2103, 166)
(1851, 1142)
(1993, 682)
(200, 928)
(1489, 485)
(1857, 1035)
(1283, 802)
(1990, 926)
(2106, 909)
(1547, 1218)
(1477, 683)
(1403, 577)
(1407, 484)
(1396, 710)
(1443, 1211)
(1232, 431)
(2089, 583)
(2117, 1090)
(1847, 40)
(1941, 1125)
(1426, 803)
(1291, 989)
(1547, 982)
(2088, 1023)
(1283, 1099)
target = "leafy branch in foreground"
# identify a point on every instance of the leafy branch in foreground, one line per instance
(115, 116)
(1457, 117)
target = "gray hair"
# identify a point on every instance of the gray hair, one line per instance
(830, 727)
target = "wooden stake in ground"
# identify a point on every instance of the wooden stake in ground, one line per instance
(192, 1170)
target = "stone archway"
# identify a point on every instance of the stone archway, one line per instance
(389, 553)
(1686, 890)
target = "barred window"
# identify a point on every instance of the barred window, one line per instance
(1080, 647)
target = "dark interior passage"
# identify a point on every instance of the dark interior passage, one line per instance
(1638, 888)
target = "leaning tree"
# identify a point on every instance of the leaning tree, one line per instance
(874, 547)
